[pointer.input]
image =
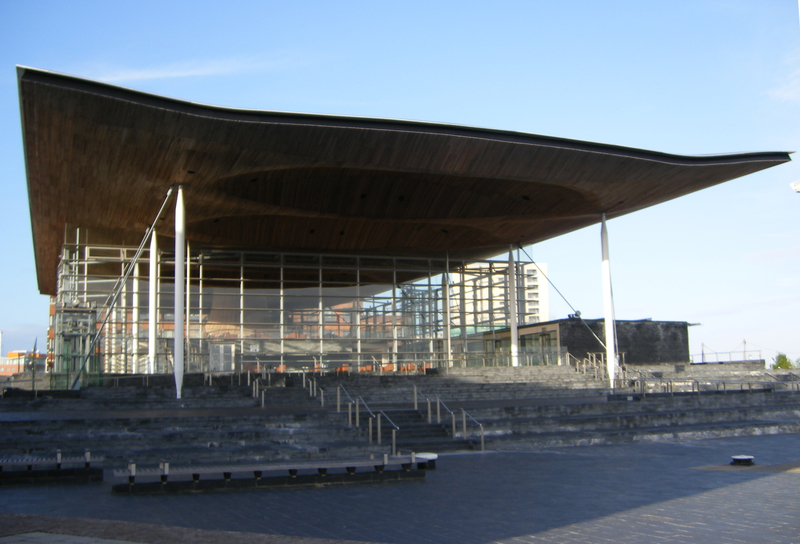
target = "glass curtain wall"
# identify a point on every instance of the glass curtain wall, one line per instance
(249, 310)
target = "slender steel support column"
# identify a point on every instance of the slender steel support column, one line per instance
(512, 308)
(446, 289)
(135, 319)
(608, 305)
(188, 308)
(180, 255)
(152, 310)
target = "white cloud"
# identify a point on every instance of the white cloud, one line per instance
(193, 68)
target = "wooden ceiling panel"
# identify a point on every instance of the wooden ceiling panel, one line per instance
(102, 158)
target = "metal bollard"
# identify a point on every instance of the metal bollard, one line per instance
(262, 398)
(248, 377)
(453, 420)
(394, 442)
(357, 411)
(438, 410)
(87, 455)
(338, 398)
(131, 473)
(483, 445)
(58, 459)
(429, 410)
(370, 431)
(415, 398)
(350, 414)
(379, 428)
(164, 472)
(464, 423)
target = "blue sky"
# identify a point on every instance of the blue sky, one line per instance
(680, 76)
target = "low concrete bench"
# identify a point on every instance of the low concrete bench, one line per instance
(166, 479)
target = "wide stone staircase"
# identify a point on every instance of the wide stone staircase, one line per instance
(210, 424)
(465, 385)
(510, 408)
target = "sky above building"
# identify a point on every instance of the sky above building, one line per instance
(691, 77)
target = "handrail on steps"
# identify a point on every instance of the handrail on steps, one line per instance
(439, 404)
(377, 417)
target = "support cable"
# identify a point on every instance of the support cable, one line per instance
(576, 313)
(118, 289)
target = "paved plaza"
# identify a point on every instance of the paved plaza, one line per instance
(654, 492)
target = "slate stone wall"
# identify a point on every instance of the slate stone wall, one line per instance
(644, 342)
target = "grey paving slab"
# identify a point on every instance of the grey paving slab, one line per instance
(647, 492)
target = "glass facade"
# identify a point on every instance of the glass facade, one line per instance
(253, 309)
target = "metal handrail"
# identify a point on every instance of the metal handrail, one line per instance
(377, 417)
(365, 406)
(464, 416)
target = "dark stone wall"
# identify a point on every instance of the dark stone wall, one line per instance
(644, 342)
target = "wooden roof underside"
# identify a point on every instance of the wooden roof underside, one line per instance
(102, 158)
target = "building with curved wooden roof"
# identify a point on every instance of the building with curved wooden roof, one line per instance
(100, 160)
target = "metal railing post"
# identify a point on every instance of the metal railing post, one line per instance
(322, 397)
(370, 430)
(415, 397)
(350, 414)
(357, 411)
(483, 445)
(379, 428)
(338, 398)
(464, 423)
(429, 410)
(394, 442)
(453, 420)
(438, 410)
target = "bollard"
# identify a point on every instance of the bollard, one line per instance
(453, 420)
(394, 442)
(357, 411)
(483, 446)
(413, 457)
(87, 455)
(464, 423)
(349, 414)
(370, 430)
(131, 472)
(322, 397)
(385, 458)
(304, 380)
(58, 459)
(248, 377)
(429, 410)
(262, 398)
(338, 398)
(379, 428)
(415, 398)
(164, 472)
(438, 410)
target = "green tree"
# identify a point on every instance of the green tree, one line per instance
(782, 362)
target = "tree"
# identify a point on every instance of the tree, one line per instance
(782, 362)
